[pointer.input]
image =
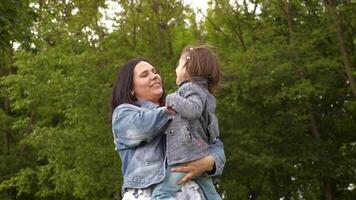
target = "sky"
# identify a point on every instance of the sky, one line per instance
(114, 7)
(196, 5)
(109, 13)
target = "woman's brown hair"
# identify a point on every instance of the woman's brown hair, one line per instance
(121, 92)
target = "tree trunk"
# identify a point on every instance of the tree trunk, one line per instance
(331, 7)
(8, 53)
(313, 124)
(327, 190)
(170, 51)
(239, 34)
(7, 143)
(134, 28)
(287, 10)
(312, 120)
(274, 185)
(23, 147)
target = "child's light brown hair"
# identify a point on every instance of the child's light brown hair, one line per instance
(201, 61)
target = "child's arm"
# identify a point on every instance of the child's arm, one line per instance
(191, 105)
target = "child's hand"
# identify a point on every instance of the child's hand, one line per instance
(170, 110)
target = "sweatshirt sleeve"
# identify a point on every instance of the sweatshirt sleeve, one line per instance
(190, 105)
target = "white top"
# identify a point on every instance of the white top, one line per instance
(189, 191)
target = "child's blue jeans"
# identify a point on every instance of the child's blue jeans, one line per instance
(168, 188)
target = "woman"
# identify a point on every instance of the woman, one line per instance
(138, 124)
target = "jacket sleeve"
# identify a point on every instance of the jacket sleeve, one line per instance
(216, 149)
(132, 125)
(213, 127)
(190, 105)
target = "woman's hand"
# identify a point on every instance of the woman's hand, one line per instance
(195, 168)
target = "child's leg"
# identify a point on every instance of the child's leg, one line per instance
(206, 184)
(169, 187)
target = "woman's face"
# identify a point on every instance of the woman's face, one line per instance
(180, 70)
(147, 83)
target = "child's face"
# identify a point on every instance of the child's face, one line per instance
(180, 70)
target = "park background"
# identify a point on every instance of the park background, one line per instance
(286, 101)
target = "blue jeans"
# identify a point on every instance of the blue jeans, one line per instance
(168, 188)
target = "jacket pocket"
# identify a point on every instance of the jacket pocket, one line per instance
(179, 139)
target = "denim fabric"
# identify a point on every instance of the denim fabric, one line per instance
(140, 142)
(194, 126)
(168, 189)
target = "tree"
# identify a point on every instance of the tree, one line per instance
(289, 114)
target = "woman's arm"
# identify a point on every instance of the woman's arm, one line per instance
(216, 149)
(132, 125)
(212, 164)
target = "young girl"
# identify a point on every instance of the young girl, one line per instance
(195, 125)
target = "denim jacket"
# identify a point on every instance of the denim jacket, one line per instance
(140, 142)
(195, 125)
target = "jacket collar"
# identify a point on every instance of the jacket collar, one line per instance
(196, 79)
(146, 104)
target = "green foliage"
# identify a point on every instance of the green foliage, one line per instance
(283, 80)
(15, 20)
(285, 106)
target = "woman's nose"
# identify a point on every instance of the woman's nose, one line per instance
(154, 76)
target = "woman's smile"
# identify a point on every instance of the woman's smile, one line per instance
(156, 84)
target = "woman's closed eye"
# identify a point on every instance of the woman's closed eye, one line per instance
(146, 73)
